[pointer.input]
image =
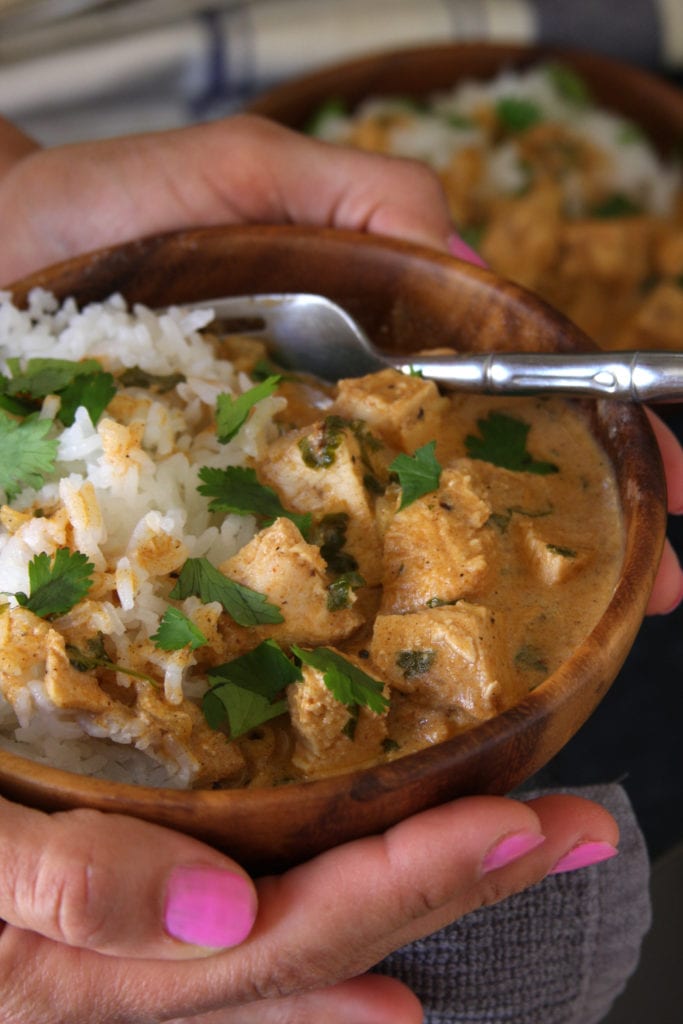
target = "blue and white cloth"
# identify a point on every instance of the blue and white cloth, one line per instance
(74, 69)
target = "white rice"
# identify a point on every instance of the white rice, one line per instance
(150, 494)
(437, 131)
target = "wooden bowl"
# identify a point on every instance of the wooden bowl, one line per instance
(643, 97)
(404, 296)
(635, 305)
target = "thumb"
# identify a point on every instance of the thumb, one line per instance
(120, 886)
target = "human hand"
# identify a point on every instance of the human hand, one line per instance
(90, 899)
(84, 896)
(56, 203)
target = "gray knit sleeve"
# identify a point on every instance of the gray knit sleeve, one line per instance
(558, 953)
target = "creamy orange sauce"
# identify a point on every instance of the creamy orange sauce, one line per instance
(477, 591)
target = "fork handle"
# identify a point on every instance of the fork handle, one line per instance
(630, 376)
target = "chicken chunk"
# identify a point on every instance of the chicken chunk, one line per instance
(320, 469)
(437, 548)
(324, 743)
(36, 673)
(553, 557)
(403, 411)
(521, 241)
(278, 562)
(452, 658)
(657, 323)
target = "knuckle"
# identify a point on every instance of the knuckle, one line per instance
(288, 976)
(423, 175)
(71, 892)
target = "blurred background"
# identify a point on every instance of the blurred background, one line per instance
(81, 69)
(74, 69)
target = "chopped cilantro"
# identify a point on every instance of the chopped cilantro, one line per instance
(27, 455)
(558, 549)
(231, 412)
(136, 377)
(529, 657)
(247, 607)
(631, 132)
(245, 691)
(57, 584)
(501, 520)
(347, 683)
(440, 602)
(42, 376)
(77, 383)
(568, 84)
(418, 474)
(503, 442)
(319, 448)
(415, 663)
(617, 205)
(339, 591)
(237, 490)
(264, 368)
(456, 120)
(472, 234)
(96, 657)
(351, 723)
(93, 391)
(516, 113)
(177, 631)
(330, 536)
(332, 108)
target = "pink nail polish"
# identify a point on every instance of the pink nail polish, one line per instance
(509, 849)
(462, 251)
(209, 907)
(584, 855)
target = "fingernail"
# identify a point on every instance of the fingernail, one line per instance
(209, 907)
(584, 855)
(457, 247)
(509, 849)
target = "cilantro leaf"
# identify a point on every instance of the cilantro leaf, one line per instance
(93, 391)
(232, 412)
(347, 683)
(243, 708)
(418, 474)
(56, 585)
(245, 689)
(136, 377)
(247, 607)
(77, 383)
(333, 107)
(95, 656)
(569, 85)
(237, 489)
(26, 454)
(339, 591)
(503, 443)
(43, 376)
(177, 631)
(329, 534)
(616, 205)
(516, 113)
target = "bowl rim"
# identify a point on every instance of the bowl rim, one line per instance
(615, 80)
